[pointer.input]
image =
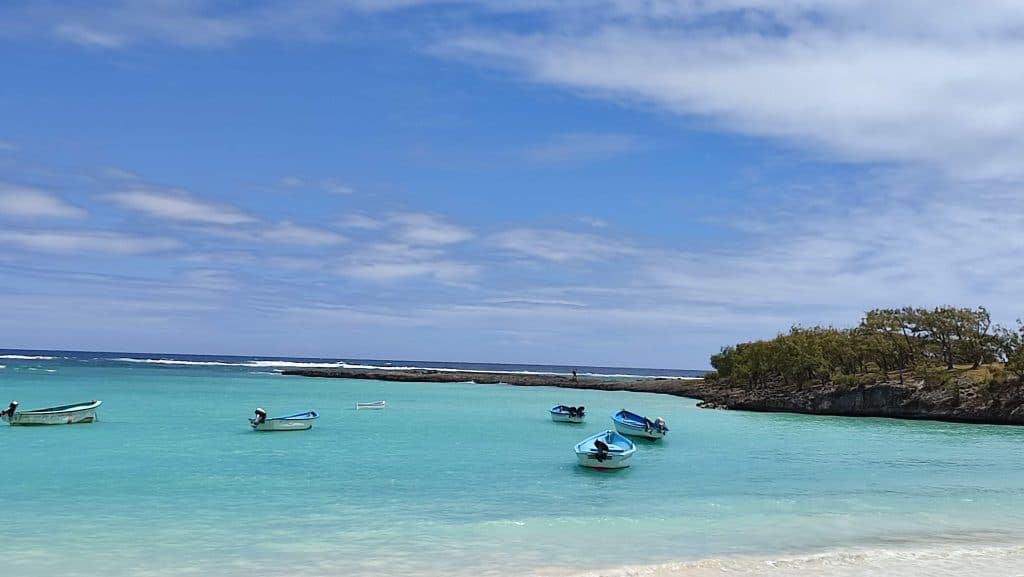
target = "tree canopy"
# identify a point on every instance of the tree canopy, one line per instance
(886, 341)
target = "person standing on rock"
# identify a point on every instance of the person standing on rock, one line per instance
(574, 376)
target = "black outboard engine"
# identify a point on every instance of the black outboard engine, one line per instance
(260, 418)
(9, 411)
(580, 410)
(602, 450)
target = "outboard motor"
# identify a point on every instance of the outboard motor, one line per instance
(580, 410)
(8, 413)
(660, 424)
(260, 418)
(602, 450)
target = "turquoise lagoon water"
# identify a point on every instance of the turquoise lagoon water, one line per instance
(463, 479)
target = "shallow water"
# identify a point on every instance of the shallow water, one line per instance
(463, 479)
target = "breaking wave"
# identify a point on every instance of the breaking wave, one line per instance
(26, 358)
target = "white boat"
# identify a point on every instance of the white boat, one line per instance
(62, 415)
(296, 422)
(371, 405)
(567, 414)
(636, 425)
(607, 450)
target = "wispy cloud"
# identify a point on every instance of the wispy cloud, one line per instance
(7, 146)
(560, 246)
(389, 262)
(290, 233)
(592, 221)
(29, 202)
(863, 80)
(335, 187)
(85, 241)
(440, 270)
(290, 182)
(428, 229)
(179, 206)
(86, 35)
(583, 147)
(361, 221)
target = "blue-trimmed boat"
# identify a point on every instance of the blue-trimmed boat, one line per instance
(636, 425)
(567, 414)
(296, 422)
(607, 450)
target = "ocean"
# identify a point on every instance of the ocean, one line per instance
(463, 479)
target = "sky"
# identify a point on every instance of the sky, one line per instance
(589, 182)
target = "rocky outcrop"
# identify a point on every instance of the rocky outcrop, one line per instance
(957, 400)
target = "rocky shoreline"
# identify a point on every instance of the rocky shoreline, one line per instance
(664, 385)
(958, 401)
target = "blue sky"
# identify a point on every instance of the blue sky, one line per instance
(592, 182)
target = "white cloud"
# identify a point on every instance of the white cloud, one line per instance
(440, 270)
(82, 241)
(593, 221)
(335, 187)
(428, 229)
(389, 262)
(6, 146)
(583, 147)
(179, 206)
(291, 233)
(28, 202)
(560, 246)
(291, 182)
(85, 35)
(919, 82)
(361, 221)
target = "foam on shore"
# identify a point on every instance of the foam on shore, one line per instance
(934, 561)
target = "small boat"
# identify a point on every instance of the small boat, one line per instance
(566, 414)
(607, 450)
(371, 405)
(636, 425)
(296, 422)
(63, 415)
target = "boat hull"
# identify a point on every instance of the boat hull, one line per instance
(614, 462)
(563, 418)
(284, 425)
(634, 425)
(632, 431)
(616, 454)
(373, 405)
(66, 415)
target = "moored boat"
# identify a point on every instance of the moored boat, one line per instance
(296, 422)
(567, 414)
(62, 415)
(371, 405)
(607, 450)
(636, 425)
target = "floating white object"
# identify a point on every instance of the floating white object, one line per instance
(62, 415)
